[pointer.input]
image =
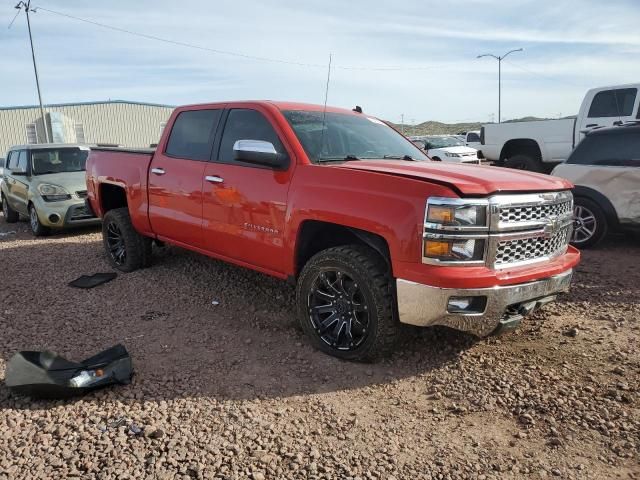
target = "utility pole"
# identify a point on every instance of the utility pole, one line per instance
(402, 122)
(500, 75)
(27, 8)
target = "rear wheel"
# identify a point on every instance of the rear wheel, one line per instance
(126, 249)
(37, 228)
(346, 304)
(10, 215)
(436, 159)
(590, 225)
(524, 162)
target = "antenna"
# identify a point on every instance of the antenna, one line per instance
(324, 111)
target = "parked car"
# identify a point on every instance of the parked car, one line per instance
(46, 183)
(539, 146)
(472, 139)
(446, 148)
(372, 232)
(605, 169)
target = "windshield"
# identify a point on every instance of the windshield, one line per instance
(443, 142)
(58, 160)
(348, 137)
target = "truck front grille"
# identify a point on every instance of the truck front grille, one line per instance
(534, 248)
(529, 213)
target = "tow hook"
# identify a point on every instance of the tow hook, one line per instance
(514, 315)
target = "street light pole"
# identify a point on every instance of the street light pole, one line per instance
(27, 9)
(500, 76)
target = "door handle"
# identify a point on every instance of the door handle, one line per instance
(213, 179)
(158, 171)
(591, 125)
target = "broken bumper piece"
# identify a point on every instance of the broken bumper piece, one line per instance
(50, 376)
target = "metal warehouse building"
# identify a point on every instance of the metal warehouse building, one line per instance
(130, 124)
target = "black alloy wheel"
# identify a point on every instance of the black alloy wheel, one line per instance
(115, 242)
(338, 310)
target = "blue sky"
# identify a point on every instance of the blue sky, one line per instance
(570, 46)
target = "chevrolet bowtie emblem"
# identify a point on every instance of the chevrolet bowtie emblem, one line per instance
(551, 226)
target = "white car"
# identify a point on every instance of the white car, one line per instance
(446, 149)
(605, 169)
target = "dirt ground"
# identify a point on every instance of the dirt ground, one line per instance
(234, 391)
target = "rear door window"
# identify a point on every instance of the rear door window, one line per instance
(192, 134)
(613, 103)
(616, 150)
(473, 137)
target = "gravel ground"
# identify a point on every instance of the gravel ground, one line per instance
(234, 391)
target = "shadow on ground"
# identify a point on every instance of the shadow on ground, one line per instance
(247, 346)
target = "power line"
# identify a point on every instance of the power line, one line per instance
(231, 53)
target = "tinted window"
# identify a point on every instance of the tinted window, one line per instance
(18, 160)
(613, 103)
(12, 160)
(473, 137)
(612, 150)
(246, 125)
(192, 134)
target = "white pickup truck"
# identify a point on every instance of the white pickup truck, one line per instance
(539, 146)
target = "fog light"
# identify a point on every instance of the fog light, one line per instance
(467, 305)
(54, 218)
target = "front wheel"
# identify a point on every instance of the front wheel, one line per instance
(37, 228)
(346, 304)
(590, 225)
(126, 249)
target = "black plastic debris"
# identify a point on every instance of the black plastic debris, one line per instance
(50, 376)
(90, 281)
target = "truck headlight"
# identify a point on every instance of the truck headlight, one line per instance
(456, 231)
(454, 250)
(53, 193)
(457, 215)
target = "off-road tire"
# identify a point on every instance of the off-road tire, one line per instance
(137, 248)
(369, 270)
(10, 215)
(37, 229)
(600, 226)
(524, 162)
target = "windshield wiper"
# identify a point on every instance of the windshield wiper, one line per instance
(346, 158)
(399, 157)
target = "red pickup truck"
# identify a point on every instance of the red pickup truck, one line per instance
(373, 233)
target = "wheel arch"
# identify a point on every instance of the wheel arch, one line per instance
(315, 235)
(112, 196)
(515, 146)
(603, 202)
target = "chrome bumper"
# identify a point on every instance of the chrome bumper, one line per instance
(424, 305)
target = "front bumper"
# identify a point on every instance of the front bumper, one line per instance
(64, 214)
(491, 310)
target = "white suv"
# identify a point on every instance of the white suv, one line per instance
(605, 169)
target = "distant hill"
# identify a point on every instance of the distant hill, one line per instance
(440, 128)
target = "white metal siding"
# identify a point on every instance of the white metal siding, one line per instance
(123, 123)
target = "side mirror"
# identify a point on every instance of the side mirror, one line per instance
(260, 153)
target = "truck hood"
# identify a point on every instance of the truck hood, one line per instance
(472, 180)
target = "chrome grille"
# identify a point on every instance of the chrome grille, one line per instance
(81, 193)
(530, 213)
(532, 248)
